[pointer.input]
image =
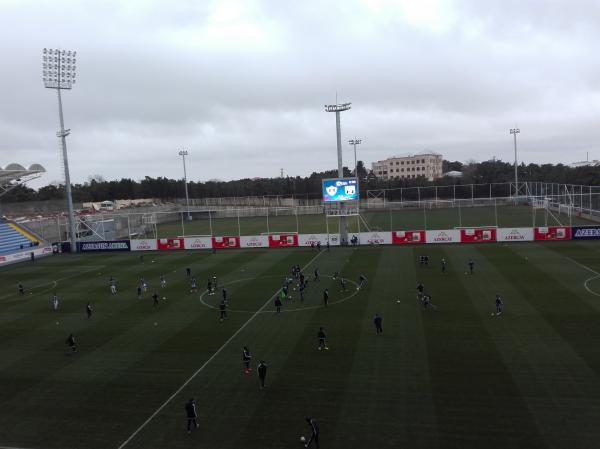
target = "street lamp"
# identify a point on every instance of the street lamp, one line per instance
(59, 72)
(183, 154)
(514, 132)
(355, 142)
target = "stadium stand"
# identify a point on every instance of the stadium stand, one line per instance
(13, 238)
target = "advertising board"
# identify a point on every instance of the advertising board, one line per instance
(514, 234)
(226, 241)
(408, 237)
(197, 243)
(478, 235)
(443, 236)
(254, 241)
(103, 245)
(552, 233)
(283, 240)
(170, 244)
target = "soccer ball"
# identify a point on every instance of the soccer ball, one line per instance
(398, 300)
(164, 297)
(492, 314)
(156, 324)
(302, 439)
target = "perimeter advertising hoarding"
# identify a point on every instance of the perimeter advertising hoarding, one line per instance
(340, 189)
(103, 245)
(283, 240)
(477, 235)
(443, 236)
(408, 237)
(226, 242)
(254, 241)
(197, 243)
(25, 255)
(313, 239)
(144, 245)
(375, 238)
(170, 244)
(585, 232)
(514, 235)
(552, 233)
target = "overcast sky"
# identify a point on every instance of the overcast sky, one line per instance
(241, 84)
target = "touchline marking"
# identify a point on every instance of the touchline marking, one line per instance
(10, 447)
(199, 370)
(585, 283)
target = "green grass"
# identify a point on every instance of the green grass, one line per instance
(449, 378)
(388, 220)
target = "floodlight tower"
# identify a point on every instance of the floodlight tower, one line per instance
(514, 132)
(58, 72)
(355, 142)
(337, 108)
(183, 154)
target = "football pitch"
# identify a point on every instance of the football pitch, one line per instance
(445, 378)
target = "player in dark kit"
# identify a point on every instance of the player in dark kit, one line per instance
(378, 322)
(139, 291)
(88, 310)
(499, 304)
(278, 304)
(361, 282)
(471, 266)
(190, 410)
(343, 284)
(155, 299)
(225, 296)
(322, 336)
(20, 289)
(317, 274)
(420, 290)
(262, 373)
(314, 435)
(71, 342)
(246, 357)
(188, 272)
(326, 297)
(444, 265)
(223, 311)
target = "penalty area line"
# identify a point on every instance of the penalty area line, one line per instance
(585, 284)
(205, 364)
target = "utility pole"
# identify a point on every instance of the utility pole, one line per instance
(183, 154)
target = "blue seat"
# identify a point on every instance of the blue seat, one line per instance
(12, 240)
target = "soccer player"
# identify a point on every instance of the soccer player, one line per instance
(317, 274)
(20, 289)
(444, 265)
(262, 373)
(113, 285)
(378, 322)
(190, 409)
(223, 311)
(139, 291)
(427, 304)
(155, 299)
(278, 304)
(55, 302)
(322, 336)
(421, 261)
(246, 357)
(225, 296)
(188, 271)
(361, 282)
(335, 275)
(499, 304)
(471, 266)
(301, 277)
(215, 282)
(327, 245)
(301, 290)
(314, 433)
(326, 297)
(71, 342)
(144, 285)
(209, 287)
(163, 281)
(193, 286)
(343, 284)
(319, 245)
(420, 290)
(88, 310)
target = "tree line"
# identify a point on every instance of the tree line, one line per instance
(97, 189)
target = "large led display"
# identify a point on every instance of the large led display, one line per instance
(340, 189)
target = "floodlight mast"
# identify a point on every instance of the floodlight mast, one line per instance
(514, 132)
(183, 154)
(337, 108)
(59, 72)
(355, 142)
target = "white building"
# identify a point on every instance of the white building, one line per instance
(428, 165)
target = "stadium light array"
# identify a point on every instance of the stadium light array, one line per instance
(514, 132)
(355, 142)
(59, 70)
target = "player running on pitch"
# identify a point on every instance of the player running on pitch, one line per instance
(317, 274)
(420, 290)
(471, 266)
(155, 299)
(71, 343)
(262, 373)
(343, 284)
(247, 358)
(322, 336)
(20, 289)
(362, 280)
(190, 410)
(499, 304)
(223, 311)
(325, 297)
(113, 285)
(163, 281)
(88, 310)
(444, 265)
(378, 322)
(55, 302)
(278, 304)
(314, 433)
(427, 304)
(193, 286)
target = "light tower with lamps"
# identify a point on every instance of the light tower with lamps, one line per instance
(337, 108)
(514, 132)
(183, 154)
(59, 72)
(355, 142)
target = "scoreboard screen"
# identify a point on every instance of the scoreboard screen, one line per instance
(340, 189)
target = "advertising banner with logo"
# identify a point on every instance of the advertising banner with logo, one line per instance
(585, 232)
(408, 237)
(254, 241)
(478, 235)
(226, 242)
(514, 234)
(170, 244)
(313, 239)
(443, 236)
(143, 245)
(375, 238)
(552, 233)
(283, 240)
(103, 245)
(197, 243)
(21, 256)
